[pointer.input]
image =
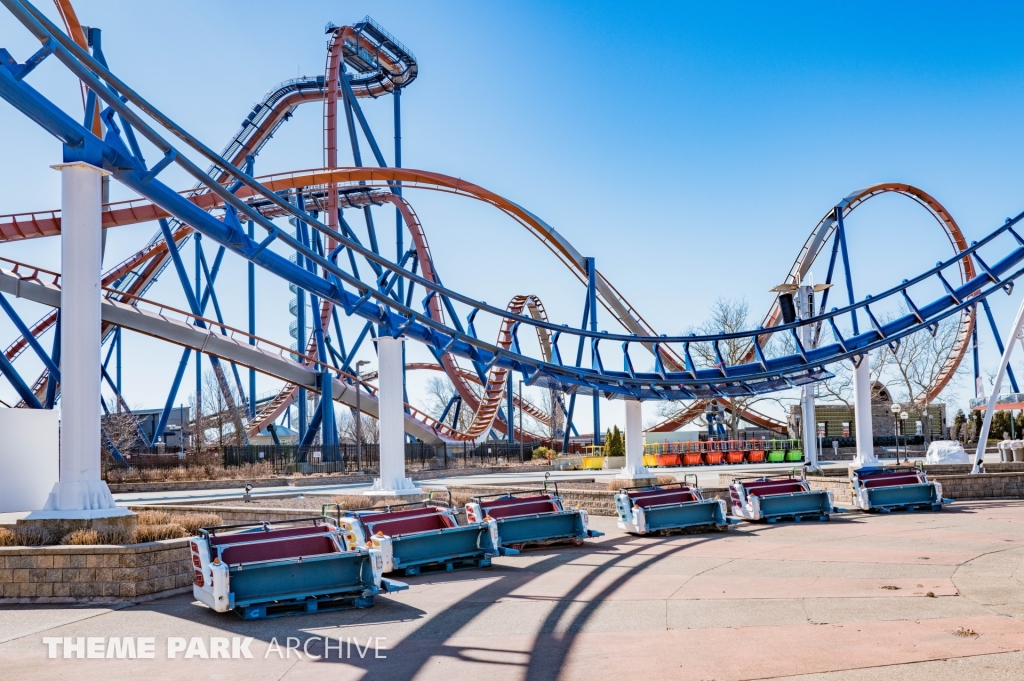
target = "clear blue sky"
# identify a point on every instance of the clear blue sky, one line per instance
(689, 147)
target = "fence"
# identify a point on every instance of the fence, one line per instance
(292, 459)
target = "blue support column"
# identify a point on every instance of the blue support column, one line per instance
(117, 359)
(399, 225)
(199, 356)
(26, 333)
(300, 323)
(249, 162)
(841, 235)
(51, 385)
(509, 413)
(999, 343)
(579, 359)
(328, 429)
(974, 351)
(24, 392)
(592, 305)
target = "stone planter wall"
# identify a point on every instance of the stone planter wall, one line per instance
(75, 574)
(958, 487)
(308, 481)
(232, 515)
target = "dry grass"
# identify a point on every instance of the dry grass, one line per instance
(26, 536)
(191, 473)
(191, 522)
(355, 502)
(966, 633)
(154, 517)
(96, 538)
(666, 480)
(460, 499)
(148, 533)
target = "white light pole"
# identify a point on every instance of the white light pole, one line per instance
(896, 408)
(906, 445)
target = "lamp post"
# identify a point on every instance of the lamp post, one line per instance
(906, 454)
(896, 408)
(359, 415)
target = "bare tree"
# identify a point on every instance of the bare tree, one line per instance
(917, 362)
(218, 422)
(369, 430)
(440, 392)
(729, 316)
(119, 428)
(554, 406)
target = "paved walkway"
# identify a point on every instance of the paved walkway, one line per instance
(707, 476)
(862, 597)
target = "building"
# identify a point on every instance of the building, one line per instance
(837, 420)
(172, 435)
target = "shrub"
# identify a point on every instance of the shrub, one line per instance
(7, 537)
(154, 517)
(94, 538)
(191, 522)
(541, 453)
(26, 536)
(148, 533)
(354, 502)
(79, 537)
(614, 443)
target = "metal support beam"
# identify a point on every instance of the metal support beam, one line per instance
(999, 342)
(841, 235)
(251, 281)
(592, 306)
(51, 384)
(510, 412)
(990, 409)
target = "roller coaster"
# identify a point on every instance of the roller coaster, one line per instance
(298, 227)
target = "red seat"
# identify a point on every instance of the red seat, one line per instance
(892, 480)
(506, 501)
(225, 539)
(531, 506)
(660, 497)
(391, 526)
(763, 488)
(278, 549)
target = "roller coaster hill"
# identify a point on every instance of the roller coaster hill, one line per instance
(321, 232)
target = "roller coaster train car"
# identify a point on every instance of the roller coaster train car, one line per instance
(895, 488)
(778, 498)
(668, 508)
(530, 518)
(294, 567)
(417, 537)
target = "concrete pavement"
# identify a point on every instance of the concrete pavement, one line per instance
(860, 597)
(706, 475)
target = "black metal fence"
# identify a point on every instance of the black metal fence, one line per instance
(292, 459)
(878, 441)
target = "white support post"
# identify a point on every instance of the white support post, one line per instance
(990, 409)
(862, 413)
(634, 470)
(80, 493)
(810, 429)
(391, 405)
